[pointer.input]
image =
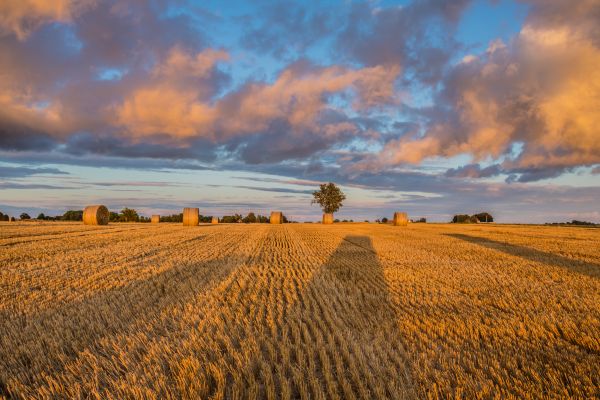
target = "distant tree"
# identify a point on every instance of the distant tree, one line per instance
(329, 197)
(420, 220)
(461, 219)
(583, 223)
(73, 215)
(205, 219)
(231, 219)
(4, 217)
(24, 216)
(172, 218)
(250, 218)
(129, 215)
(41, 216)
(336, 220)
(384, 220)
(113, 217)
(262, 219)
(284, 219)
(484, 217)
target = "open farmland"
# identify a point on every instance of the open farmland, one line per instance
(299, 311)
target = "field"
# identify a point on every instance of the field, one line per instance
(299, 311)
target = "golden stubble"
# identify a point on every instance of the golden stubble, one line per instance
(299, 311)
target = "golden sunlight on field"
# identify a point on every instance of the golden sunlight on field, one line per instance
(299, 311)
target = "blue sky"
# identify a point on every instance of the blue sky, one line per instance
(430, 107)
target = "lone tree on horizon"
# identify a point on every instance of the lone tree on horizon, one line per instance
(330, 198)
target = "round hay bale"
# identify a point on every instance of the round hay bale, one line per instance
(327, 218)
(276, 217)
(191, 216)
(95, 215)
(215, 220)
(400, 219)
(155, 219)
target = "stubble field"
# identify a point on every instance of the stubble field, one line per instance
(299, 311)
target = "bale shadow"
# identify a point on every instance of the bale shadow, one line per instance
(528, 253)
(43, 343)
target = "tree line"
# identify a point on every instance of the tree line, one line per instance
(131, 215)
(472, 219)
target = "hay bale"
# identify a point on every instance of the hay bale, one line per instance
(95, 215)
(155, 219)
(276, 217)
(215, 220)
(191, 216)
(327, 218)
(400, 219)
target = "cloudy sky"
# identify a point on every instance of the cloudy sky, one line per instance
(433, 107)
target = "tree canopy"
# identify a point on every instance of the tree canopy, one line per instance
(329, 197)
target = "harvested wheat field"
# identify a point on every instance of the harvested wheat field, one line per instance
(299, 311)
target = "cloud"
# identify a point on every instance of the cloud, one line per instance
(417, 36)
(540, 91)
(286, 28)
(474, 171)
(136, 184)
(21, 172)
(12, 185)
(296, 99)
(276, 190)
(21, 17)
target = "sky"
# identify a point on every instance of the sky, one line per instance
(431, 107)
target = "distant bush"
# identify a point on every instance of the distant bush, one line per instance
(73, 215)
(384, 220)
(24, 216)
(461, 219)
(4, 217)
(129, 215)
(172, 218)
(573, 222)
(205, 219)
(484, 217)
(472, 219)
(231, 219)
(420, 221)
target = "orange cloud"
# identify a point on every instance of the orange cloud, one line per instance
(23, 16)
(542, 90)
(169, 104)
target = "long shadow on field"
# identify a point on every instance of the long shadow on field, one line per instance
(582, 267)
(42, 343)
(348, 299)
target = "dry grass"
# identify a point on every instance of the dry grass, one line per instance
(299, 311)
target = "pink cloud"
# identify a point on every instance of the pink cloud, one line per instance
(21, 17)
(177, 102)
(541, 90)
